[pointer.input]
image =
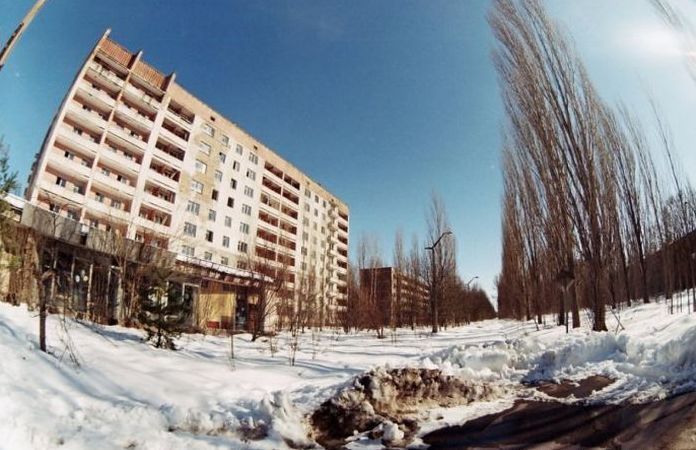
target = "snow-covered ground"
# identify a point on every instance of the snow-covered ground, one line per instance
(126, 394)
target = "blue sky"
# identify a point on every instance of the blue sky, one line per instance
(382, 102)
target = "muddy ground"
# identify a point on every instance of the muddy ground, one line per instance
(666, 424)
(387, 403)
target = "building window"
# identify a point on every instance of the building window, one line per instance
(197, 186)
(246, 209)
(233, 183)
(241, 265)
(61, 181)
(189, 229)
(230, 202)
(254, 158)
(228, 221)
(316, 198)
(218, 176)
(244, 227)
(308, 193)
(239, 149)
(214, 194)
(116, 204)
(201, 167)
(99, 197)
(73, 215)
(212, 215)
(208, 256)
(222, 157)
(224, 260)
(193, 207)
(225, 140)
(249, 192)
(187, 250)
(306, 207)
(209, 236)
(251, 174)
(205, 148)
(242, 247)
(208, 129)
(235, 166)
(226, 241)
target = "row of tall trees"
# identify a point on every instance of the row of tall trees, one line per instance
(590, 216)
(425, 288)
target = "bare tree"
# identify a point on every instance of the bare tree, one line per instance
(442, 257)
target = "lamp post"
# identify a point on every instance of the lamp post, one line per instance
(7, 49)
(469, 282)
(434, 307)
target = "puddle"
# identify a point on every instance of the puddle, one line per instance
(579, 389)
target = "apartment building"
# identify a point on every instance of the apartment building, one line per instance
(134, 153)
(400, 299)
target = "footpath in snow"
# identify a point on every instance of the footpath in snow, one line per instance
(126, 394)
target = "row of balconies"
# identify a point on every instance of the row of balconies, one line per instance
(282, 176)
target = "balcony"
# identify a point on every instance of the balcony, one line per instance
(104, 210)
(165, 154)
(113, 186)
(163, 180)
(58, 161)
(158, 222)
(68, 194)
(158, 202)
(71, 138)
(117, 159)
(129, 136)
(173, 138)
(266, 182)
(180, 120)
(88, 119)
(144, 99)
(98, 96)
(105, 74)
(135, 117)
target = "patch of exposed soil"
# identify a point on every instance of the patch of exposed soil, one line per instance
(578, 389)
(384, 399)
(659, 425)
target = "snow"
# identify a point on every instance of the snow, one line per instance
(126, 394)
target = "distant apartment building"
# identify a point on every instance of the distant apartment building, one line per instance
(132, 152)
(401, 300)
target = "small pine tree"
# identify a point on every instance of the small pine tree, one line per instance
(8, 183)
(164, 310)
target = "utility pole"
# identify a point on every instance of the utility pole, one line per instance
(7, 49)
(434, 307)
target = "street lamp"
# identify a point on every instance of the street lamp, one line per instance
(469, 282)
(433, 295)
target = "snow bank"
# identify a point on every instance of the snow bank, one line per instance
(654, 357)
(128, 394)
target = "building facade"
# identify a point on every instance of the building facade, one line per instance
(132, 152)
(399, 299)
